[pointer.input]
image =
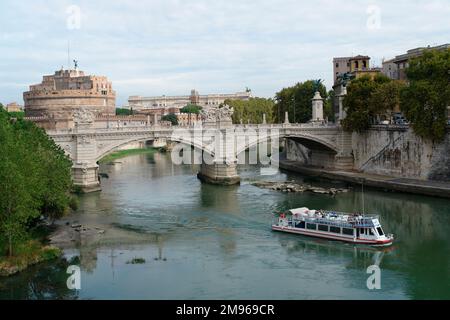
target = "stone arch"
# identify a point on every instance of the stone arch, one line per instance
(307, 139)
(113, 147)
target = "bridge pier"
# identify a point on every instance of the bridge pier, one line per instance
(219, 174)
(85, 176)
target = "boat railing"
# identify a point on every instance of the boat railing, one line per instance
(344, 224)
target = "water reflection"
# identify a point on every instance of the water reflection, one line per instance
(202, 241)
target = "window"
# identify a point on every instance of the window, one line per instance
(380, 231)
(347, 231)
(311, 226)
(364, 64)
(335, 229)
(371, 232)
(356, 64)
(337, 64)
(300, 225)
(323, 227)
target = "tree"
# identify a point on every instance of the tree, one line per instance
(191, 108)
(252, 110)
(297, 101)
(124, 112)
(35, 179)
(172, 117)
(425, 101)
(361, 105)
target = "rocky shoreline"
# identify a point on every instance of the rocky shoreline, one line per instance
(291, 186)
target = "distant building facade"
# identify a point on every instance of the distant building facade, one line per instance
(58, 95)
(172, 104)
(13, 107)
(395, 68)
(358, 65)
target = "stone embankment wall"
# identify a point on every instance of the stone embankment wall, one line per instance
(393, 151)
(400, 153)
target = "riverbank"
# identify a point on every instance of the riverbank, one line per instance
(27, 254)
(414, 186)
(124, 153)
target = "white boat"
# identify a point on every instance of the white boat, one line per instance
(348, 227)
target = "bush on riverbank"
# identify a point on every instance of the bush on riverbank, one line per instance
(35, 177)
(27, 254)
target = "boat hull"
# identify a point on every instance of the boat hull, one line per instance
(328, 236)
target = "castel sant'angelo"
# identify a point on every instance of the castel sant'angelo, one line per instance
(59, 95)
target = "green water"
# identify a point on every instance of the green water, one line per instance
(210, 242)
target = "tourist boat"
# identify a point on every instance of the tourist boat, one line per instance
(348, 227)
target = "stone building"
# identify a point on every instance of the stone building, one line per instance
(358, 65)
(13, 107)
(138, 103)
(60, 94)
(395, 68)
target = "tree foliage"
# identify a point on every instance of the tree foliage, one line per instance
(425, 101)
(35, 179)
(366, 98)
(297, 101)
(191, 108)
(252, 110)
(172, 117)
(123, 112)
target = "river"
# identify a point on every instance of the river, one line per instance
(211, 242)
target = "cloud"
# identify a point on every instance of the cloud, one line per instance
(171, 46)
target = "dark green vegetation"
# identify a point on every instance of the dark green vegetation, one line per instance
(252, 110)
(35, 177)
(123, 153)
(172, 117)
(124, 112)
(297, 101)
(368, 98)
(136, 261)
(18, 115)
(191, 108)
(424, 102)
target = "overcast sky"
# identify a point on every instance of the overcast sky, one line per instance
(158, 47)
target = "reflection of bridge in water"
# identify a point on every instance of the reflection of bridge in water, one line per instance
(221, 144)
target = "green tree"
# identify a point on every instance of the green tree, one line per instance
(359, 103)
(35, 179)
(297, 101)
(124, 112)
(191, 108)
(425, 100)
(172, 117)
(252, 110)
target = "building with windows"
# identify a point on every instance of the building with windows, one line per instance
(395, 68)
(60, 94)
(170, 104)
(14, 107)
(357, 65)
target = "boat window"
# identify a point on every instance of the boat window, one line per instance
(335, 229)
(380, 231)
(371, 232)
(311, 226)
(347, 231)
(361, 230)
(300, 224)
(323, 227)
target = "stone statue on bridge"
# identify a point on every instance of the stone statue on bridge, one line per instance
(83, 116)
(220, 116)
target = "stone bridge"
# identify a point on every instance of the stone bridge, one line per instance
(221, 143)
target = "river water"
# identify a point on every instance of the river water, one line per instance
(211, 242)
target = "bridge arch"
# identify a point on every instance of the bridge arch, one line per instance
(308, 140)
